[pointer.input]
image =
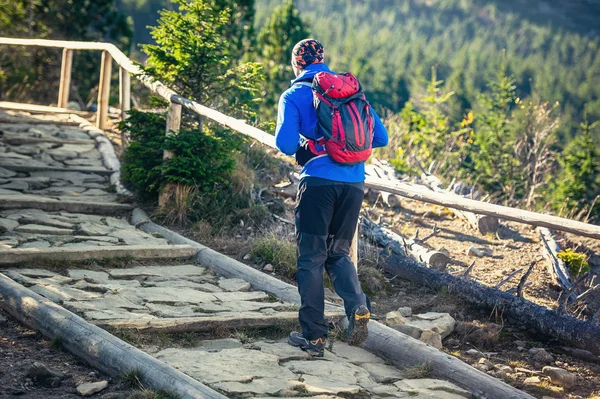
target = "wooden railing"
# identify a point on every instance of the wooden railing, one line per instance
(420, 193)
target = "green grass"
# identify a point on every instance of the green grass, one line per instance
(56, 342)
(278, 251)
(132, 379)
(151, 394)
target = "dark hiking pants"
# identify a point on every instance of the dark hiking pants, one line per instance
(326, 217)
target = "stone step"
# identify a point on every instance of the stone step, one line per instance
(18, 255)
(14, 139)
(62, 204)
(233, 320)
(29, 168)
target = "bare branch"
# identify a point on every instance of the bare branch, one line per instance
(469, 269)
(524, 279)
(507, 278)
(434, 232)
(564, 298)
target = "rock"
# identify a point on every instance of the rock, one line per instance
(283, 351)
(166, 273)
(452, 342)
(206, 287)
(241, 296)
(40, 229)
(41, 374)
(540, 355)
(473, 353)
(234, 284)
(45, 221)
(382, 373)
(215, 345)
(7, 225)
(354, 354)
(117, 314)
(520, 344)
(166, 295)
(432, 338)
(16, 185)
(441, 323)
(504, 368)
(237, 364)
(405, 311)
(89, 275)
(560, 377)
(35, 244)
(247, 257)
(35, 273)
(318, 385)
(268, 268)
(90, 388)
(5, 173)
(2, 320)
(532, 381)
(94, 229)
(479, 252)
(273, 387)
(423, 385)
(338, 372)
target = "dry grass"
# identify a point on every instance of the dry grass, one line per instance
(179, 208)
(422, 370)
(278, 251)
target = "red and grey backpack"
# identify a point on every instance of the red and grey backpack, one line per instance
(344, 116)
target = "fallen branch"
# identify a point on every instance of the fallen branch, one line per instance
(514, 289)
(382, 170)
(466, 273)
(564, 299)
(556, 267)
(524, 279)
(587, 293)
(507, 278)
(484, 224)
(402, 247)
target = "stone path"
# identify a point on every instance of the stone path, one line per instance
(45, 161)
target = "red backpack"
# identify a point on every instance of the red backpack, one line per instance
(344, 116)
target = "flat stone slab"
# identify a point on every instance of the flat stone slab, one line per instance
(234, 284)
(7, 225)
(167, 295)
(36, 273)
(345, 373)
(241, 296)
(427, 384)
(240, 365)
(89, 275)
(259, 386)
(354, 354)
(205, 287)
(282, 350)
(17, 255)
(111, 302)
(172, 311)
(168, 272)
(41, 229)
(382, 373)
(61, 294)
(8, 201)
(120, 314)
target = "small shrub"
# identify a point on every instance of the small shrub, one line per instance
(132, 379)
(372, 280)
(422, 370)
(56, 342)
(278, 251)
(576, 262)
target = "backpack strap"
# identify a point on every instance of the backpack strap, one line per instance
(304, 83)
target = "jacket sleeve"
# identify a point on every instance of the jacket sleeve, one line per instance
(380, 134)
(287, 133)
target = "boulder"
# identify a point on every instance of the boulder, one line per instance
(479, 252)
(42, 375)
(7, 225)
(540, 355)
(560, 377)
(432, 338)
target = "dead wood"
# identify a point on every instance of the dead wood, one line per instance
(556, 267)
(524, 279)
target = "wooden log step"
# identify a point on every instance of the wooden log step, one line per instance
(39, 109)
(62, 204)
(19, 255)
(81, 169)
(209, 323)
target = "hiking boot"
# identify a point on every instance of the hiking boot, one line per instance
(314, 348)
(357, 325)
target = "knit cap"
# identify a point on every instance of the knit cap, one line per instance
(306, 52)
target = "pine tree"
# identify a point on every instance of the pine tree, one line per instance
(282, 31)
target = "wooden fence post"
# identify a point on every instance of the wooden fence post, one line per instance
(104, 89)
(173, 124)
(124, 99)
(354, 248)
(65, 78)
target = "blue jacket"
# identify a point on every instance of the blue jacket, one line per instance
(297, 116)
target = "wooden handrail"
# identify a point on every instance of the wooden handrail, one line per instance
(402, 189)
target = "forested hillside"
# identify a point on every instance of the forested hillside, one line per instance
(553, 48)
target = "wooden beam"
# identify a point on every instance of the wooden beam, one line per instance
(104, 89)
(173, 125)
(124, 100)
(65, 78)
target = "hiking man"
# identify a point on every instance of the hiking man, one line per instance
(330, 192)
